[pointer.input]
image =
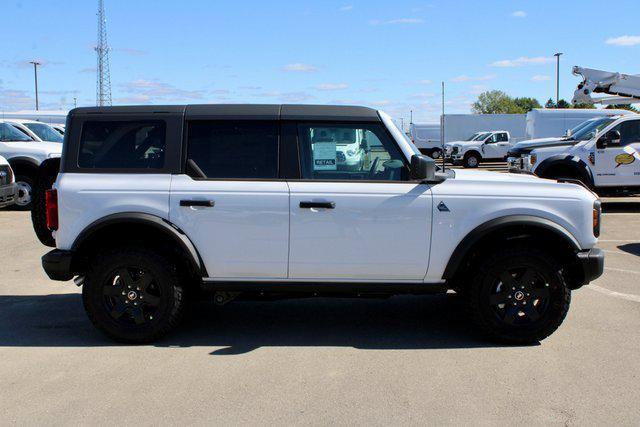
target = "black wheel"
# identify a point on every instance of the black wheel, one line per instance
(38, 209)
(471, 160)
(25, 193)
(436, 153)
(133, 295)
(518, 296)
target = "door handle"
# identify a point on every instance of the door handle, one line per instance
(201, 203)
(319, 205)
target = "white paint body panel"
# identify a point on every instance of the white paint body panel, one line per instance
(476, 197)
(376, 232)
(245, 235)
(85, 198)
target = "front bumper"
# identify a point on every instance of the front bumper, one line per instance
(519, 164)
(592, 262)
(8, 195)
(57, 264)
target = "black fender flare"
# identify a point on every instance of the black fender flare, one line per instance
(158, 223)
(572, 163)
(20, 161)
(494, 225)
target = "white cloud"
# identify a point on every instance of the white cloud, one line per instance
(288, 96)
(423, 95)
(624, 40)
(153, 90)
(424, 82)
(401, 21)
(522, 61)
(332, 86)
(465, 78)
(519, 14)
(540, 78)
(478, 89)
(346, 8)
(300, 68)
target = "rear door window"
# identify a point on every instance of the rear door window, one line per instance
(122, 145)
(239, 149)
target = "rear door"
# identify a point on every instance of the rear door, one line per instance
(230, 201)
(355, 214)
(618, 164)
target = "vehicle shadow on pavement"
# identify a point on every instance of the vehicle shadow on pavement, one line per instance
(407, 322)
(631, 248)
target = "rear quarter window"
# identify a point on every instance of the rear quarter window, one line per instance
(122, 145)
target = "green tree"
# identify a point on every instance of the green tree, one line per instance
(563, 104)
(496, 102)
(550, 104)
(623, 107)
(527, 104)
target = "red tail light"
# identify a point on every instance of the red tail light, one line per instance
(51, 199)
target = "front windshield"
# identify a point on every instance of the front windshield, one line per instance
(9, 133)
(472, 137)
(481, 136)
(44, 132)
(589, 131)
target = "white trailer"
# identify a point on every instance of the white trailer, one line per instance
(459, 127)
(554, 122)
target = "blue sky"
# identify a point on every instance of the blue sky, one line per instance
(389, 55)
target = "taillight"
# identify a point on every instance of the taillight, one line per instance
(51, 203)
(597, 216)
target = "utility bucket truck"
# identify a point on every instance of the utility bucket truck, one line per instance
(624, 88)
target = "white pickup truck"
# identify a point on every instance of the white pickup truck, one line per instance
(25, 152)
(606, 159)
(480, 147)
(156, 204)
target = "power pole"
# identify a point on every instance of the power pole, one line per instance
(75, 102)
(557, 55)
(103, 82)
(35, 74)
(442, 129)
(411, 117)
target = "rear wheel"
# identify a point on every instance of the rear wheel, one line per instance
(518, 296)
(133, 295)
(436, 153)
(471, 160)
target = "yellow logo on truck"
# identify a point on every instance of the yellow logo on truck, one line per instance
(624, 159)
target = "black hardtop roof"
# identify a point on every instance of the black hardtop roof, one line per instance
(243, 111)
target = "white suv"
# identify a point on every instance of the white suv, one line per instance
(155, 204)
(481, 146)
(607, 158)
(8, 189)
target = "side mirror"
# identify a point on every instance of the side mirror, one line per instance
(423, 168)
(610, 138)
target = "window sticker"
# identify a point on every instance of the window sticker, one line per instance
(324, 156)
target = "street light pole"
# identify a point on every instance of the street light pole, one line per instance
(35, 74)
(557, 55)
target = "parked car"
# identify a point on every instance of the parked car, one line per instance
(153, 205)
(38, 131)
(24, 154)
(58, 128)
(518, 155)
(481, 147)
(608, 161)
(8, 189)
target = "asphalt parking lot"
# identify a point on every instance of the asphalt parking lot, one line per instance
(405, 360)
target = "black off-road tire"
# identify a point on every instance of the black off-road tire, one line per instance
(471, 160)
(480, 295)
(164, 280)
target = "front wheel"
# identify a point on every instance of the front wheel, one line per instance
(436, 153)
(25, 193)
(518, 296)
(133, 295)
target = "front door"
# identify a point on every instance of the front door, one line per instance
(355, 215)
(618, 163)
(496, 146)
(230, 203)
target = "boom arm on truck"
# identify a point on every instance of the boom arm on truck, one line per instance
(625, 88)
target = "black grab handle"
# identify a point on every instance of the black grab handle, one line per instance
(202, 203)
(320, 205)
